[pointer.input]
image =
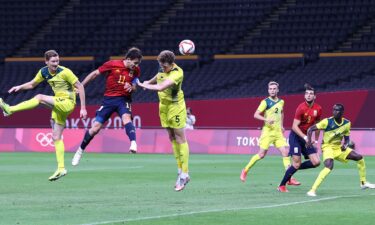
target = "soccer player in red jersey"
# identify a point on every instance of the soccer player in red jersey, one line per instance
(121, 80)
(307, 114)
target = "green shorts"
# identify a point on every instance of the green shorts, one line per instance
(335, 152)
(274, 137)
(173, 115)
(61, 109)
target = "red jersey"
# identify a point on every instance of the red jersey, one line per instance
(308, 115)
(116, 76)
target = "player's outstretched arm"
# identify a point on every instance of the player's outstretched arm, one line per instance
(309, 134)
(94, 74)
(82, 97)
(157, 87)
(26, 86)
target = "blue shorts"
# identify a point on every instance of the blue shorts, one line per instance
(119, 104)
(297, 146)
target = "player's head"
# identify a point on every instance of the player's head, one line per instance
(166, 59)
(133, 57)
(309, 93)
(273, 88)
(338, 110)
(52, 60)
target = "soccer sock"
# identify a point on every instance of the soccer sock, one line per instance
(252, 162)
(322, 175)
(286, 162)
(288, 174)
(59, 146)
(306, 165)
(29, 104)
(184, 157)
(86, 140)
(130, 131)
(176, 152)
(362, 170)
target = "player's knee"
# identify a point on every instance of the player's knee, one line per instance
(126, 119)
(329, 164)
(316, 163)
(39, 97)
(297, 165)
(261, 155)
(56, 137)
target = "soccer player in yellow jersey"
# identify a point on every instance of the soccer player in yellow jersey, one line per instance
(335, 129)
(172, 111)
(63, 82)
(272, 131)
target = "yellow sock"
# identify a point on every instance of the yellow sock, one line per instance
(320, 178)
(176, 152)
(59, 146)
(362, 170)
(286, 162)
(252, 162)
(29, 104)
(184, 156)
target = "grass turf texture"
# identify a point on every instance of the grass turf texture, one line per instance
(138, 189)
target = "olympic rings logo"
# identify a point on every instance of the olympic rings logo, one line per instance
(45, 139)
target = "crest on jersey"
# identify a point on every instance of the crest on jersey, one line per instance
(117, 71)
(315, 113)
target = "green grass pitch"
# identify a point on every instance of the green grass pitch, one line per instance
(138, 189)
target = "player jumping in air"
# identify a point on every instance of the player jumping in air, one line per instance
(121, 78)
(172, 111)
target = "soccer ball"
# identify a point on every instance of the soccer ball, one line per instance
(186, 47)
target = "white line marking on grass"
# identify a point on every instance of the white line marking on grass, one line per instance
(223, 210)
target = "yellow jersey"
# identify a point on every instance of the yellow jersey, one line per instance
(62, 82)
(334, 132)
(272, 110)
(173, 93)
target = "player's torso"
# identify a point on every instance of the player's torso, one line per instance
(274, 110)
(309, 116)
(116, 79)
(334, 132)
(60, 86)
(173, 93)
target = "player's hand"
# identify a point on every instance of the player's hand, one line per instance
(270, 121)
(128, 87)
(14, 89)
(141, 84)
(83, 113)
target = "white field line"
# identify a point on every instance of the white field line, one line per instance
(223, 210)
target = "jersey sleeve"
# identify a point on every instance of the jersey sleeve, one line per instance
(70, 77)
(176, 76)
(347, 130)
(299, 113)
(262, 106)
(107, 66)
(38, 77)
(322, 124)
